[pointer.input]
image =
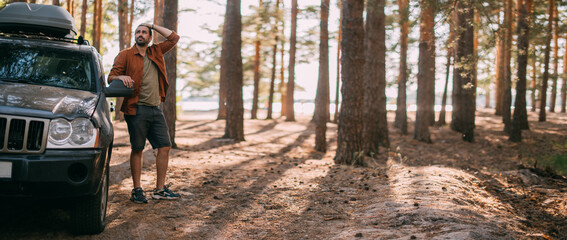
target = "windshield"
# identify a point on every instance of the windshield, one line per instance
(46, 66)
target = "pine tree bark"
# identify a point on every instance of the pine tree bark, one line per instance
(564, 85)
(553, 97)
(500, 68)
(158, 19)
(84, 8)
(222, 80)
(170, 12)
(130, 22)
(123, 43)
(401, 119)
(321, 114)
(375, 123)
(289, 112)
(97, 24)
(338, 82)
(257, 45)
(534, 82)
(349, 139)
(71, 7)
(463, 89)
(543, 91)
(426, 75)
(256, 93)
(234, 128)
(450, 50)
(274, 63)
(507, 96)
(282, 85)
(520, 120)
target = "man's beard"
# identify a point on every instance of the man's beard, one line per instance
(141, 42)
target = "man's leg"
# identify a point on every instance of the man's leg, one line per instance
(136, 167)
(162, 161)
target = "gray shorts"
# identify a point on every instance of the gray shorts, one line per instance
(149, 123)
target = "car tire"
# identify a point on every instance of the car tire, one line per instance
(89, 213)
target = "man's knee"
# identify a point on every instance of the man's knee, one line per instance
(136, 152)
(164, 149)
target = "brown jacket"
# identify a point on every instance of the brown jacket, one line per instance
(129, 62)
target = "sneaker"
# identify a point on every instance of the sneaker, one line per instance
(165, 193)
(138, 196)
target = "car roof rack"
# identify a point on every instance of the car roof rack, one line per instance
(79, 40)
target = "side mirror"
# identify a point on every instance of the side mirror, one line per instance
(117, 89)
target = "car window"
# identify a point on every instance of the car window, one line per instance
(46, 66)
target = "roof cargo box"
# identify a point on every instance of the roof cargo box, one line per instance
(37, 19)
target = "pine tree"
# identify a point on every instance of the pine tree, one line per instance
(349, 139)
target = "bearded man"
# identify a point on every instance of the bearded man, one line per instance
(143, 67)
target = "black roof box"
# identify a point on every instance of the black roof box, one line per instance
(38, 19)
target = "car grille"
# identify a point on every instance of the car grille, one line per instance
(22, 134)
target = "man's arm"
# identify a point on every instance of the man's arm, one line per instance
(171, 37)
(117, 71)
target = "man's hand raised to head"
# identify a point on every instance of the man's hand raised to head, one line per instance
(161, 30)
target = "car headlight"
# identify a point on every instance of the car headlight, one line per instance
(79, 133)
(59, 131)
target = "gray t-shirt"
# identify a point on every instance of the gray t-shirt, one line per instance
(149, 92)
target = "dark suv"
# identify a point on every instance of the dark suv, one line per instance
(55, 126)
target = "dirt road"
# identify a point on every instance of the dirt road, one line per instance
(275, 186)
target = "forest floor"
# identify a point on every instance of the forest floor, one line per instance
(275, 186)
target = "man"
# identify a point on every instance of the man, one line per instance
(143, 67)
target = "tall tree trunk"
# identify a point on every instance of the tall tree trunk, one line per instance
(170, 12)
(122, 24)
(543, 91)
(274, 62)
(158, 19)
(475, 49)
(534, 81)
(349, 139)
(520, 120)
(289, 112)
(553, 97)
(426, 74)
(71, 7)
(450, 50)
(84, 8)
(322, 99)
(507, 96)
(338, 82)
(375, 122)
(499, 77)
(564, 85)
(463, 89)
(282, 86)
(257, 44)
(97, 24)
(123, 43)
(222, 81)
(234, 105)
(401, 120)
(130, 22)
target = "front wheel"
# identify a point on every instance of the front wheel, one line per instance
(89, 214)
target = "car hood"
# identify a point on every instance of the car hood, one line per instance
(58, 101)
